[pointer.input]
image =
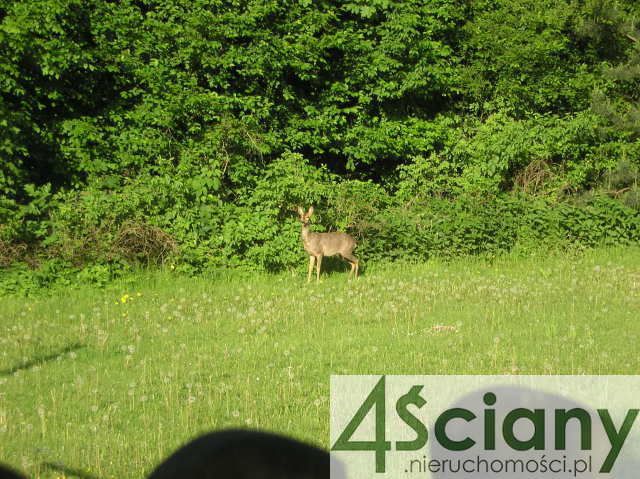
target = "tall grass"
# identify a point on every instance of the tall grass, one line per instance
(110, 381)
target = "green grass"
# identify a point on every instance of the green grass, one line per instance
(109, 384)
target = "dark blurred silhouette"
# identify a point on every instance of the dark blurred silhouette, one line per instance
(243, 454)
(6, 473)
(510, 398)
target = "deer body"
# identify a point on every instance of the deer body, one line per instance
(319, 245)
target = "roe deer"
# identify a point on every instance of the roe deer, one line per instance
(319, 245)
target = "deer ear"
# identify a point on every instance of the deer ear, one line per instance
(300, 211)
(310, 212)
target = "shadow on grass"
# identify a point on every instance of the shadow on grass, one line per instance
(37, 360)
(336, 265)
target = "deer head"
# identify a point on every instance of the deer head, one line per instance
(304, 217)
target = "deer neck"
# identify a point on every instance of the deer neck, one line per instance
(305, 233)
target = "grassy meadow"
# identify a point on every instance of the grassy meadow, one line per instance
(110, 381)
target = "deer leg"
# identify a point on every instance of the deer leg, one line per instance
(318, 264)
(351, 263)
(354, 264)
(312, 260)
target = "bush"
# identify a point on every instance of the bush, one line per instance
(96, 235)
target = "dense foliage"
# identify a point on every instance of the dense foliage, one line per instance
(185, 132)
